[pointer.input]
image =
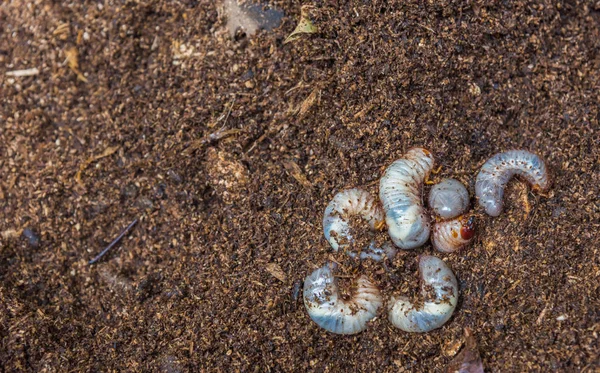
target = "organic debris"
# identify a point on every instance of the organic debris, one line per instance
(227, 175)
(305, 25)
(275, 270)
(108, 151)
(294, 170)
(72, 55)
(468, 360)
(391, 75)
(25, 72)
(114, 242)
(309, 102)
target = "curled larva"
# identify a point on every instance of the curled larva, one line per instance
(337, 227)
(334, 314)
(400, 191)
(440, 292)
(497, 171)
(450, 235)
(449, 198)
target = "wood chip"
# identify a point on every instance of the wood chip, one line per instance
(275, 270)
(543, 314)
(469, 359)
(72, 55)
(294, 170)
(11, 233)
(309, 102)
(451, 347)
(62, 31)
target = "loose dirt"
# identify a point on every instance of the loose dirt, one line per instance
(229, 149)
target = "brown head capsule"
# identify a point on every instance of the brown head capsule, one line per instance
(467, 231)
(449, 236)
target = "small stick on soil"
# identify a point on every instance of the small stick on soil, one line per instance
(26, 72)
(114, 242)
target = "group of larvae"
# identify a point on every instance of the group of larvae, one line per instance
(409, 226)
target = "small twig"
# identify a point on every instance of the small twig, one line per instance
(221, 133)
(426, 28)
(25, 72)
(114, 242)
(229, 111)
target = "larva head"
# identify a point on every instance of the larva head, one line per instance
(467, 231)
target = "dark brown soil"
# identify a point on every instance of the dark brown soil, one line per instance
(209, 279)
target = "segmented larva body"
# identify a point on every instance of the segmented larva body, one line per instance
(440, 292)
(498, 170)
(326, 308)
(449, 198)
(450, 235)
(336, 224)
(400, 192)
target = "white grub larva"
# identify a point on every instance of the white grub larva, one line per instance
(334, 314)
(440, 292)
(336, 224)
(498, 170)
(450, 235)
(449, 198)
(400, 192)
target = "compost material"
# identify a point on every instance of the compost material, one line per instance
(228, 149)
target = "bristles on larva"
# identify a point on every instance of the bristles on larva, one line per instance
(334, 314)
(450, 235)
(336, 222)
(498, 170)
(439, 290)
(400, 191)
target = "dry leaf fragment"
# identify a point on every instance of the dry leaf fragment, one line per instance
(309, 102)
(294, 170)
(108, 151)
(275, 270)
(451, 347)
(468, 360)
(73, 61)
(11, 233)
(305, 26)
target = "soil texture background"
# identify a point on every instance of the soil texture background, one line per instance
(228, 149)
